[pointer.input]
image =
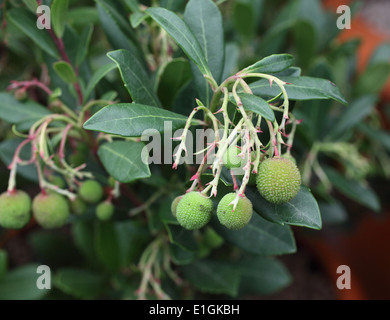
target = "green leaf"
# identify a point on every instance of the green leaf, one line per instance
(214, 277)
(32, 5)
(256, 104)
(376, 135)
(85, 39)
(300, 88)
(181, 237)
(98, 75)
(132, 120)
(81, 16)
(59, 10)
(181, 256)
(301, 211)
(26, 22)
(245, 17)
(373, 79)
(13, 111)
(65, 71)
(174, 76)
(106, 245)
(272, 64)
(83, 235)
(353, 115)
(135, 78)
(124, 160)
(305, 38)
(262, 276)
(79, 283)
(259, 236)
(333, 212)
(205, 22)
(21, 284)
(3, 262)
(183, 36)
(354, 190)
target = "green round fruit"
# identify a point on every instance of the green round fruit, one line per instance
(105, 210)
(238, 218)
(194, 210)
(91, 191)
(57, 181)
(50, 210)
(174, 204)
(78, 206)
(278, 180)
(15, 209)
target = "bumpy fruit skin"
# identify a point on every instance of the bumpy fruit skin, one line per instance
(78, 206)
(105, 210)
(278, 180)
(50, 210)
(174, 204)
(15, 209)
(91, 191)
(237, 219)
(194, 210)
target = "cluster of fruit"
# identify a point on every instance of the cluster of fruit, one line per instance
(50, 209)
(278, 181)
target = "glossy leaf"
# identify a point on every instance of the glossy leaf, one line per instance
(213, 276)
(135, 78)
(98, 75)
(26, 22)
(301, 211)
(183, 36)
(256, 104)
(124, 160)
(59, 9)
(79, 283)
(84, 42)
(65, 71)
(132, 120)
(181, 237)
(259, 236)
(300, 88)
(272, 64)
(21, 284)
(354, 190)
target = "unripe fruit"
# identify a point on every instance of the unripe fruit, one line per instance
(238, 218)
(57, 181)
(105, 210)
(194, 210)
(278, 180)
(15, 208)
(50, 210)
(91, 191)
(78, 206)
(174, 204)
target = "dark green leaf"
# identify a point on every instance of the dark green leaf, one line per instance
(205, 21)
(135, 78)
(132, 120)
(124, 160)
(272, 64)
(373, 79)
(3, 262)
(354, 190)
(80, 16)
(65, 71)
(257, 105)
(262, 276)
(301, 211)
(300, 88)
(259, 237)
(106, 245)
(59, 9)
(21, 284)
(332, 212)
(181, 237)
(183, 36)
(353, 115)
(26, 22)
(215, 277)
(181, 256)
(85, 39)
(13, 111)
(305, 42)
(79, 283)
(83, 235)
(97, 76)
(174, 76)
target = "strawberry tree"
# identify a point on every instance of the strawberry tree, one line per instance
(103, 135)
